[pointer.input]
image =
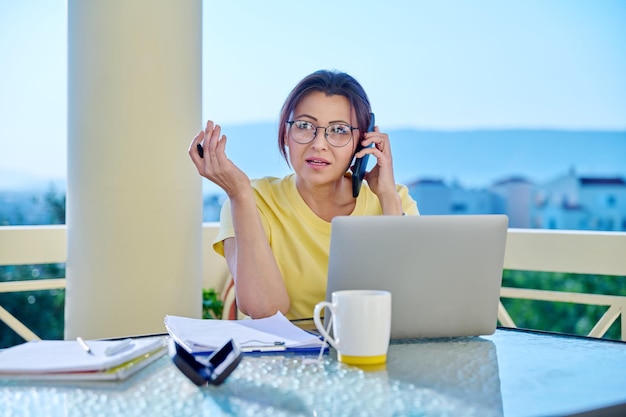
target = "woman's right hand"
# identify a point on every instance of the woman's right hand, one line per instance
(215, 165)
(259, 287)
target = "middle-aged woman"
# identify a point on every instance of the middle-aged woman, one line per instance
(275, 232)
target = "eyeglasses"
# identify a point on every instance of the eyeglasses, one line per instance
(337, 135)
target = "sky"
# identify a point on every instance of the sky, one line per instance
(446, 65)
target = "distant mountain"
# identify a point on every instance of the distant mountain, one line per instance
(477, 158)
(472, 158)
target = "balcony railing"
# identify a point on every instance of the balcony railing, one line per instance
(579, 252)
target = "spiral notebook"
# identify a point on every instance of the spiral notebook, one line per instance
(66, 360)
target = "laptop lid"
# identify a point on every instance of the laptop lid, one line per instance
(444, 272)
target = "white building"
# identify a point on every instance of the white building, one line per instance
(582, 203)
(569, 202)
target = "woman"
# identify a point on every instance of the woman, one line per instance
(275, 232)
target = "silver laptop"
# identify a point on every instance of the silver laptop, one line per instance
(444, 272)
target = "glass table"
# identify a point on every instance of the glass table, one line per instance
(510, 373)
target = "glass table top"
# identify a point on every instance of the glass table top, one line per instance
(510, 373)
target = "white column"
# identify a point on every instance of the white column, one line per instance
(134, 203)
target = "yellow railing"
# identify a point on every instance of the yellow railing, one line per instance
(579, 252)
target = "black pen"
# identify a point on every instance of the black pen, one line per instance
(84, 345)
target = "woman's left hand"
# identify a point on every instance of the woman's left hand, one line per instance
(380, 179)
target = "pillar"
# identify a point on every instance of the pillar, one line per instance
(134, 199)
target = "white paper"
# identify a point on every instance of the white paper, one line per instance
(198, 335)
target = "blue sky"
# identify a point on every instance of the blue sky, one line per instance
(433, 65)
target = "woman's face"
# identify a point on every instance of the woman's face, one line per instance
(318, 162)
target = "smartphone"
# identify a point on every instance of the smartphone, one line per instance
(200, 150)
(360, 164)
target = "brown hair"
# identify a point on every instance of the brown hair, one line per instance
(330, 83)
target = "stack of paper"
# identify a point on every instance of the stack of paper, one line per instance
(274, 333)
(68, 360)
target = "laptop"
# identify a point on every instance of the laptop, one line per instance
(444, 272)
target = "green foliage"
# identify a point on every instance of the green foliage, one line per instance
(55, 200)
(569, 318)
(212, 306)
(41, 311)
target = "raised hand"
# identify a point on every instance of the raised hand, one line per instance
(380, 179)
(212, 162)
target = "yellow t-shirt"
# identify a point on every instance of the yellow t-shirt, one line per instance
(299, 239)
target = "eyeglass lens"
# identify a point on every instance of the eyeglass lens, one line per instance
(337, 134)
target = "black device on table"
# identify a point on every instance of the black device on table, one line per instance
(360, 164)
(219, 365)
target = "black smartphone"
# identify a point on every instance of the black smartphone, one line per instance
(360, 164)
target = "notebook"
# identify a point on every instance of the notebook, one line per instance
(66, 360)
(444, 272)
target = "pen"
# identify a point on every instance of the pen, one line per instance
(251, 349)
(84, 345)
(117, 348)
(276, 346)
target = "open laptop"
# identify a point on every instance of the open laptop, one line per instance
(444, 272)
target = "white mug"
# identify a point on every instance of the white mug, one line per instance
(361, 322)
